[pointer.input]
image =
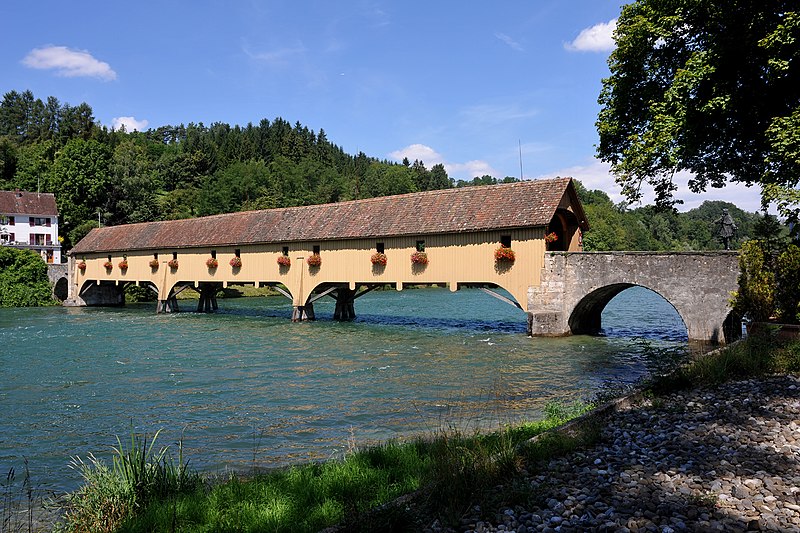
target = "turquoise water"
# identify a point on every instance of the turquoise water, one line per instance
(246, 387)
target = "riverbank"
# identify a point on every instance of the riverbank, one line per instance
(721, 458)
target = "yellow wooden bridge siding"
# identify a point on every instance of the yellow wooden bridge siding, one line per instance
(452, 259)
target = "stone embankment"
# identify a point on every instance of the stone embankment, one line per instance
(722, 459)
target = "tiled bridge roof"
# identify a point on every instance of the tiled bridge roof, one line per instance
(468, 209)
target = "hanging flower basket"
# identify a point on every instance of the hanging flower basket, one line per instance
(212, 262)
(419, 258)
(236, 262)
(379, 259)
(154, 263)
(314, 260)
(504, 255)
(284, 261)
(173, 264)
(108, 265)
(123, 265)
(82, 266)
(551, 237)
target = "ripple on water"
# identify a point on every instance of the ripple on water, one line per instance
(247, 382)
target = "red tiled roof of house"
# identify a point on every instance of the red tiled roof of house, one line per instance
(468, 209)
(27, 203)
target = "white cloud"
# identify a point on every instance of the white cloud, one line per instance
(597, 175)
(598, 38)
(129, 123)
(429, 156)
(69, 63)
(514, 45)
(279, 56)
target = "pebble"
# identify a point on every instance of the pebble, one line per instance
(722, 459)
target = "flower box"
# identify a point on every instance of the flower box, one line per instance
(419, 258)
(173, 264)
(212, 262)
(314, 260)
(378, 259)
(504, 255)
(551, 237)
(108, 265)
(82, 266)
(284, 261)
(236, 262)
(154, 263)
(123, 265)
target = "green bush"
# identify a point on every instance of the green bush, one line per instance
(23, 279)
(787, 281)
(756, 295)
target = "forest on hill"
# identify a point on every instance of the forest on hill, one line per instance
(193, 170)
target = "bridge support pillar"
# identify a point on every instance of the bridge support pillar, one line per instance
(302, 313)
(345, 305)
(208, 298)
(170, 305)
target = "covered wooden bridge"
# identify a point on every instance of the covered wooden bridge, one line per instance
(489, 237)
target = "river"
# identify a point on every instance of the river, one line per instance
(246, 387)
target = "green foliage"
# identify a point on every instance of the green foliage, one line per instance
(756, 295)
(787, 285)
(706, 87)
(139, 474)
(615, 227)
(23, 279)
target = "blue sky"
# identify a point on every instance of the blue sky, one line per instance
(465, 84)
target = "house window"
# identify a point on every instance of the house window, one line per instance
(7, 220)
(38, 221)
(39, 239)
(175, 255)
(316, 249)
(109, 258)
(285, 251)
(7, 237)
(505, 241)
(155, 256)
(420, 246)
(237, 252)
(214, 254)
(379, 248)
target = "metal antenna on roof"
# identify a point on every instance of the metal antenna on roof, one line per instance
(520, 159)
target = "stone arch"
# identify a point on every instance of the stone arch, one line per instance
(61, 288)
(585, 317)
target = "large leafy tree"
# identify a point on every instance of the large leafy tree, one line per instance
(708, 87)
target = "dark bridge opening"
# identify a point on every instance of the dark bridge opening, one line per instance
(640, 312)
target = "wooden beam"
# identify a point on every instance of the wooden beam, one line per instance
(312, 299)
(500, 297)
(283, 291)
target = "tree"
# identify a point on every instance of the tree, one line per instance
(80, 181)
(707, 87)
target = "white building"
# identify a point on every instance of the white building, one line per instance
(30, 220)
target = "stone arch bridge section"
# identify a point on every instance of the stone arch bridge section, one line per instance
(576, 287)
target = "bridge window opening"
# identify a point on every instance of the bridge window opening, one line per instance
(379, 247)
(285, 251)
(214, 254)
(316, 249)
(505, 241)
(237, 252)
(420, 246)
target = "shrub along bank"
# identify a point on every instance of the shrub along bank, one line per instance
(23, 279)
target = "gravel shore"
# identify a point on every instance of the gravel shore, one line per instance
(722, 459)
